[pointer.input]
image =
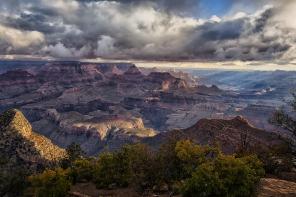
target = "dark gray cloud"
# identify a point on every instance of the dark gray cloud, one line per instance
(142, 29)
(34, 22)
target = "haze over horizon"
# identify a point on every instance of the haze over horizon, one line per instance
(241, 34)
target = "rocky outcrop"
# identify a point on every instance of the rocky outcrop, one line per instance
(109, 70)
(166, 81)
(106, 124)
(22, 151)
(21, 145)
(131, 75)
(212, 90)
(93, 132)
(232, 135)
(133, 71)
(69, 72)
(269, 187)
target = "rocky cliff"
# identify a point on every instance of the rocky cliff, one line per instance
(22, 146)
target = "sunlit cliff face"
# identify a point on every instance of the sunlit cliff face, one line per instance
(166, 30)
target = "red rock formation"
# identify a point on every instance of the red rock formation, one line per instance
(166, 81)
(232, 135)
(69, 72)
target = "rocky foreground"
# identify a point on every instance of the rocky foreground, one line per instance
(276, 188)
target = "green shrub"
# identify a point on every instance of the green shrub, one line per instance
(277, 160)
(192, 155)
(82, 170)
(141, 165)
(177, 160)
(225, 176)
(169, 167)
(205, 181)
(74, 152)
(179, 166)
(130, 165)
(50, 183)
(13, 181)
(239, 175)
(111, 169)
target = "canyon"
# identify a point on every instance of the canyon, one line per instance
(102, 106)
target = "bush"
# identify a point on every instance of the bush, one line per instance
(225, 176)
(179, 166)
(50, 183)
(141, 165)
(239, 175)
(74, 152)
(13, 181)
(128, 166)
(192, 155)
(177, 160)
(205, 181)
(169, 166)
(82, 170)
(277, 160)
(112, 169)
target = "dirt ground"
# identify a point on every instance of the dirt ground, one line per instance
(90, 190)
(269, 187)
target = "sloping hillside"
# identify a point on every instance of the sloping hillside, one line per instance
(231, 135)
(21, 145)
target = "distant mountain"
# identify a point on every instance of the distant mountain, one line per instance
(21, 146)
(71, 73)
(186, 76)
(258, 84)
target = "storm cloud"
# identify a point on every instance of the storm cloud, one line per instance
(148, 30)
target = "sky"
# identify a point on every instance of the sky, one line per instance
(155, 30)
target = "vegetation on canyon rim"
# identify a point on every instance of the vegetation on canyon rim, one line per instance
(178, 166)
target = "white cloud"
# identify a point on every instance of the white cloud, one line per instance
(137, 30)
(105, 47)
(60, 50)
(18, 39)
